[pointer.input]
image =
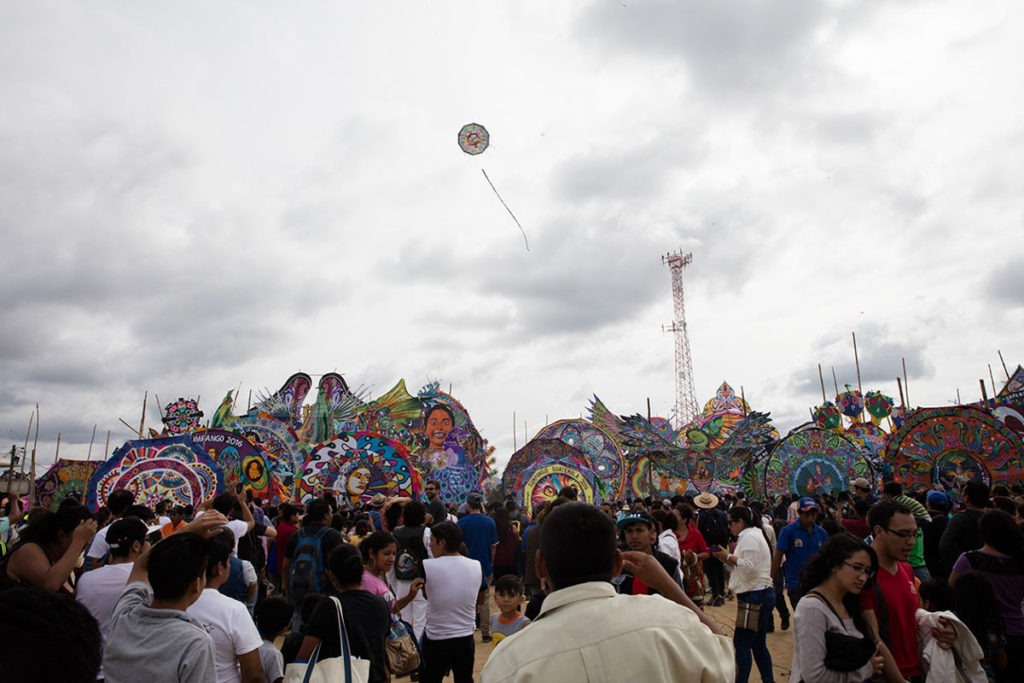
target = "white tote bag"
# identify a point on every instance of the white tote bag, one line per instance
(346, 668)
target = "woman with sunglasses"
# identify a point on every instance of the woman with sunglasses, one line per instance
(832, 582)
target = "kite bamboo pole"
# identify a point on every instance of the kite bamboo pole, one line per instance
(906, 381)
(984, 394)
(958, 401)
(234, 401)
(992, 379)
(248, 404)
(88, 456)
(821, 378)
(860, 389)
(515, 443)
(1004, 365)
(130, 428)
(649, 410)
(899, 385)
(56, 455)
(142, 422)
(834, 382)
(106, 449)
(28, 432)
(743, 398)
(32, 473)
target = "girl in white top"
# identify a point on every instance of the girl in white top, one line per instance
(832, 583)
(451, 588)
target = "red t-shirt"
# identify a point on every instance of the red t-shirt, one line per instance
(899, 591)
(694, 541)
(284, 532)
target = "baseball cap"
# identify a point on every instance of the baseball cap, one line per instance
(861, 483)
(126, 531)
(938, 500)
(633, 517)
(807, 504)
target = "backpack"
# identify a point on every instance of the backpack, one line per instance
(411, 553)
(307, 573)
(713, 526)
(235, 586)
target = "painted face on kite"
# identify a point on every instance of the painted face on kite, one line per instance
(437, 427)
(358, 481)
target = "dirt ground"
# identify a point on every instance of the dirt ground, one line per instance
(780, 643)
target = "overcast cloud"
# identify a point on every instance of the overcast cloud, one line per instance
(203, 197)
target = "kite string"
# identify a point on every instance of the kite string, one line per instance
(498, 195)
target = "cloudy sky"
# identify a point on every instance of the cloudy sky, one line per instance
(200, 196)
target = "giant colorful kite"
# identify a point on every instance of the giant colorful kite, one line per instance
(64, 479)
(813, 461)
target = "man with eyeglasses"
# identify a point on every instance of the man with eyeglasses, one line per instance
(889, 607)
(435, 506)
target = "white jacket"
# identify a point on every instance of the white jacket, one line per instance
(942, 665)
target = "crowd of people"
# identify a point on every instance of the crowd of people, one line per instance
(887, 585)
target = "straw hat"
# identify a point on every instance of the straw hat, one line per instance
(706, 501)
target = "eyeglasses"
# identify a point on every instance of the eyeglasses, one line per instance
(905, 534)
(864, 569)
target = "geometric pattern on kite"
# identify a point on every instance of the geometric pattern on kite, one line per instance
(1013, 391)
(538, 450)
(393, 414)
(284, 454)
(181, 416)
(357, 466)
(456, 482)
(952, 446)
(814, 461)
(65, 478)
(172, 468)
(545, 478)
(597, 444)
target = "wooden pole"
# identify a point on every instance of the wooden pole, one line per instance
(984, 394)
(860, 389)
(821, 378)
(995, 394)
(234, 401)
(899, 385)
(906, 382)
(88, 456)
(1004, 365)
(248, 404)
(834, 382)
(142, 422)
(130, 428)
(106, 450)
(32, 473)
(743, 399)
(649, 409)
(56, 455)
(515, 446)
(24, 450)
(958, 401)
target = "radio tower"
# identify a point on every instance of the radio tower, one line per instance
(686, 399)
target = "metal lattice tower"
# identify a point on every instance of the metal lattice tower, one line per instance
(686, 398)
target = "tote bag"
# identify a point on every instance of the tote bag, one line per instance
(333, 669)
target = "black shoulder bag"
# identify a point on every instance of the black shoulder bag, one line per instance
(844, 652)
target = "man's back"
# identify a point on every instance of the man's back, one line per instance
(588, 633)
(231, 628)
(479, 533)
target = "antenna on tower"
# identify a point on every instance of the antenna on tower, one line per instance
(686, 399)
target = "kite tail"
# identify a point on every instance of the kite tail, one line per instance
(496, 194)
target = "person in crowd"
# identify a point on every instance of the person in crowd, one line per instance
(861, 489)
(435, 506)
(508, 596)
(585, 626)
(367, 618)
(118, 503)
(975, 605)
(379, 551)
(306, 556)
(273, 617)
(714, 526)
(287, 524)
(47, 636)
(1000, 560)
(236, 641)
(665, 522)
(10, 519)
(831, 584)
(481, 537)
(100, 589)
(508, 538)
(49, 548)
(151, 637)
(452, 588)
(890, 608)
(858, 524)
(293, 640)
(751, 581)
(175, 520)
(360, 530)
(233, 507)
(938, 505)
(374, 512)
(638, 530)
(961, 532)
(407, 564)
(798, 542)
(893, 490)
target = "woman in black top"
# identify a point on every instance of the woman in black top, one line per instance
(367, 618)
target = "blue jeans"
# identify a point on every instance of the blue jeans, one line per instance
(749, 643)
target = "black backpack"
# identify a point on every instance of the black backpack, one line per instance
(713, 526)
(411, 553)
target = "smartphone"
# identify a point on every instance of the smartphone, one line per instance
(715, 549)
(239, 487)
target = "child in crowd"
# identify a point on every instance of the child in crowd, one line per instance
(508, 594)
(273, 619)
(936, 596)
(293, 641)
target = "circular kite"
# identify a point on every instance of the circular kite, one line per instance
(474, 139)
(537, 450)
(64, 479)
(814, 461)
(948, 447)
(604, 453)
(182, 416)
(357, 466)
(173, 468)
(283, 453)
(545, 478)
(241, 461)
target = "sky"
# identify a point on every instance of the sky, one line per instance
(199, 197)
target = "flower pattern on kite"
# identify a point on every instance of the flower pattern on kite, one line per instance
(173, 468)
(182, 416)
(456, 482)
(540, 450)
(543, 480)
(64, 479)
(952, 446)
(814, 461)
(357, 466)
(284, 455)
(474, 139)
(599, 446)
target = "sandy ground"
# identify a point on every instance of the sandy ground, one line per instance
(780, 643)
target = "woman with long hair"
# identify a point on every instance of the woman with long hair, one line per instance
(49, 548)
(379, 550)
(505, 552)
(693, 550)
(1001, 562)
(831, 583)
(751, 581)
(452, 585)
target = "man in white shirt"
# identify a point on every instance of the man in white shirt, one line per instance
(100, 589)
(236, 641)
(587, 632)
(228, 504)
(118, 503)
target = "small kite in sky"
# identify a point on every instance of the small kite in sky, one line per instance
(473, 140)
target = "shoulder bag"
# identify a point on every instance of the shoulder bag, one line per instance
(333, 669)
(844, 652)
